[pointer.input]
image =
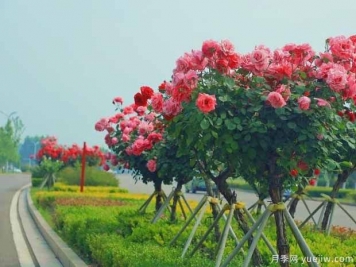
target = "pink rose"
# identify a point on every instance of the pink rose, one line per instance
(117, 99)
(171, 107)
(198, 61)
(322, 102)
(205, 102)
(210, 47)
(337, 78)
(304, 102)
(260, 59)
(114, 141)
(151, 165)
(276, 100)
(341, 47)
(284, 91)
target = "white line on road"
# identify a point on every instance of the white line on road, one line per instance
(23, 253)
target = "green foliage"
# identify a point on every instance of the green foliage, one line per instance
(111, 250)
(93, 176)
(352, 196)
(36, 182)
(38, 172)
(8, 144)
(50, 166)
(119, 236)
(316, 191)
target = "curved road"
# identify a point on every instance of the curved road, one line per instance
(339, 218)
(9, 184)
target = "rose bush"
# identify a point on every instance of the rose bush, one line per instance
(273, 110)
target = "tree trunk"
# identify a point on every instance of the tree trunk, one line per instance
(340, 180)
(231, 198)
(176, 197)
(159, 197)
(275, 191)
(214, 208)
(295, 201)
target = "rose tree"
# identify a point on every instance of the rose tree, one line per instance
(264, 113)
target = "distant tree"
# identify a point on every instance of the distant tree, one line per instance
(9, 144)
(29, 148)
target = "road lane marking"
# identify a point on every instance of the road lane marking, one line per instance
(23, 253)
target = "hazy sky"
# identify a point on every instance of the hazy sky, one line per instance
(62, 61)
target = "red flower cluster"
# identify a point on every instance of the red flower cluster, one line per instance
(51, 149)
(142, 97)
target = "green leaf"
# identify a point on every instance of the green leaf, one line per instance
(303, 75)
(204, 124)
(251, 153)
(230, 125)
(230, 83)
(247, 138)
(215, 134)
(291, 125)
(302, 137)
(223, 115)
(219, 121)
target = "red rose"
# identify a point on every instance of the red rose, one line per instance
(146, 91)
(316, 172)
(352, 116)
(302, 165)
(312, 182)
(340, 113)
(293, 173)
(306, 93)
(162, 86)
(140, 100)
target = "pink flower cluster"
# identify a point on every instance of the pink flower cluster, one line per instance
(136, 131)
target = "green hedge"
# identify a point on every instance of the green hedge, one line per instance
(93, 177)
(316, 191)
(119, 236)
(352, 196)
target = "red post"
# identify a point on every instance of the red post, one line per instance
(82, 177)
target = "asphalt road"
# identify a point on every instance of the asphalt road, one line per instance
(9, 184)
(339, 218)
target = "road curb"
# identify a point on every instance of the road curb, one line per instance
(65, 254)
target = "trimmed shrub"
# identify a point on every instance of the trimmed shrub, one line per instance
(93, 177)
(36, 182)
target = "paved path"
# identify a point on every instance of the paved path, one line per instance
(9, 184)
(340, 218)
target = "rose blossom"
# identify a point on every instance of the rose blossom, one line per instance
(140, 100)
(151, 165)
(205, 102)
(210, 47)
(260, 59)
(341, 47)
(128, 110)
(284, 91)
(118, 99)
(276, 100)
(157, 102)
(171, 107)
(322, 102)
(146, 92)
(304, 102)
(337, 78)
